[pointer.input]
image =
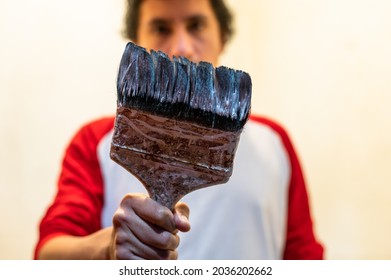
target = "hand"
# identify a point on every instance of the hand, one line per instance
(144, 229)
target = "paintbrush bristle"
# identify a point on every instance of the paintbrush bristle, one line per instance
(180, 89)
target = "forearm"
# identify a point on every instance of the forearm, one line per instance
(94, 246)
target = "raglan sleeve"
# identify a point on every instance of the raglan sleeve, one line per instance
(301, 242)
(77, 205)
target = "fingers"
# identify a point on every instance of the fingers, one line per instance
(181, 217)
(143, 229)
(128, 246)
(151, 211)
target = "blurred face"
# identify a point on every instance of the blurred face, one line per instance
(186, 28)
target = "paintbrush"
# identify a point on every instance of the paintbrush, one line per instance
(178, 123)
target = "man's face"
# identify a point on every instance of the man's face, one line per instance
(186, 28)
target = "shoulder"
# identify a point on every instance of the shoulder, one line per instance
(89, 135)
(276, 127)
(272, 124)
(98, 127)
(95, 130)
(279, 132)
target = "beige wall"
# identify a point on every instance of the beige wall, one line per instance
(320, 67)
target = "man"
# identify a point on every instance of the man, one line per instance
(100, 211)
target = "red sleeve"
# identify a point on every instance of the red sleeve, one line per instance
(300, 239)
(76, 209)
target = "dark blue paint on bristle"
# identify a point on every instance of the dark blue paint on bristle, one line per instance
(214, 97)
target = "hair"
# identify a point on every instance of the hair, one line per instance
(223, 15)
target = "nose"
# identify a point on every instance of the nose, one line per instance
(182, 44)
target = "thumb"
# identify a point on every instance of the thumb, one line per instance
(181, 216)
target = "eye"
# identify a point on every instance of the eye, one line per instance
(196, 25)
(161, 29)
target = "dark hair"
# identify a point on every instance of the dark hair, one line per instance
(223, 15)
